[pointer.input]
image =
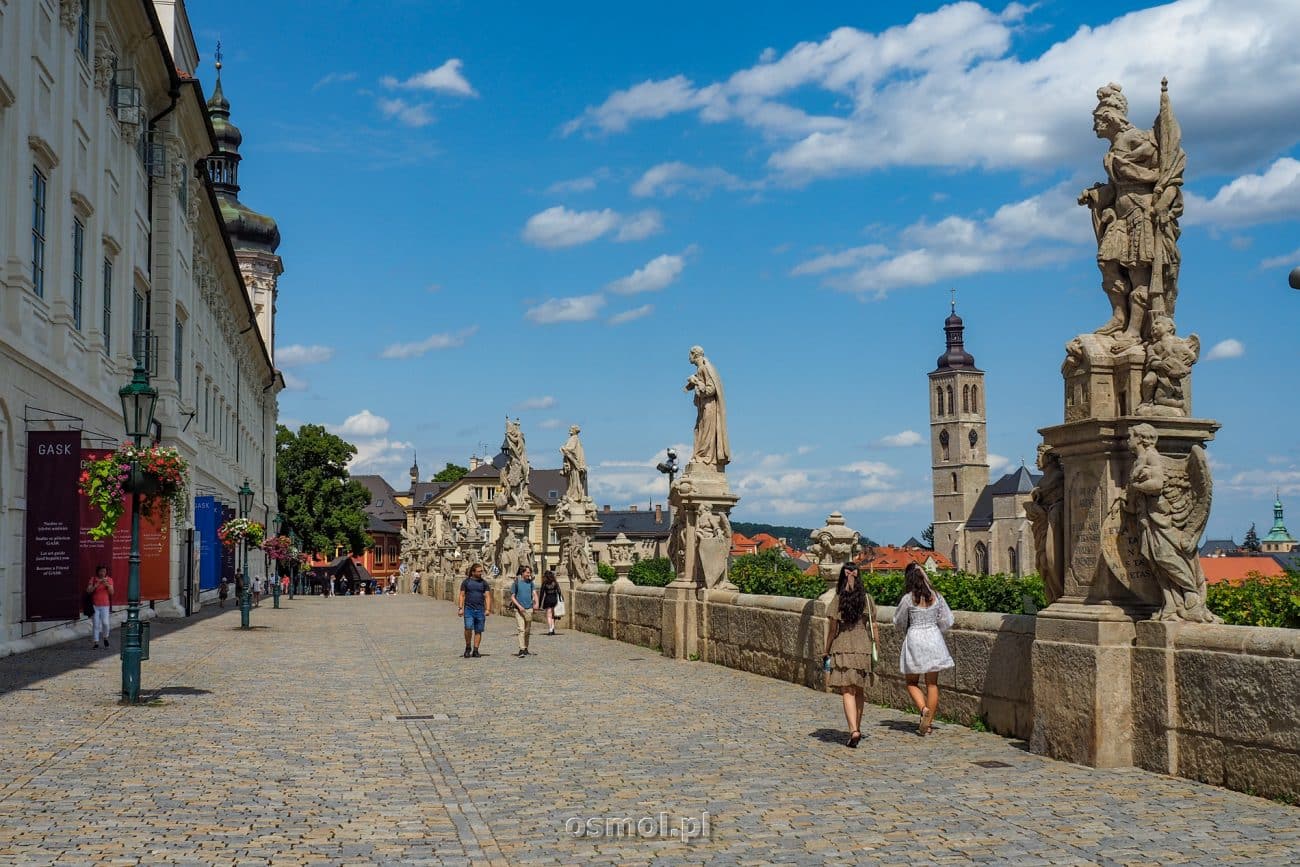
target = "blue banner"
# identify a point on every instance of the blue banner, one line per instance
(206, 521)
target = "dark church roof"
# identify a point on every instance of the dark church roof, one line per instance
(422, 493)
(383, 502)
(955, 356)
(636, 524)
(546, 485)
(1218, 547)
(1020, 481)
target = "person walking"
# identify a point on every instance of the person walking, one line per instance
(100, 589)
(415, 581)
(550, 598)
(851, 639)
(924, 616)
(223, 592)
(475, 605)
(523, 596)
(257, 592)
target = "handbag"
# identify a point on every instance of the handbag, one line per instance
(88, 604)
(559, 607)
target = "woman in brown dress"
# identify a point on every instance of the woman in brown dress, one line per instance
(851, 634)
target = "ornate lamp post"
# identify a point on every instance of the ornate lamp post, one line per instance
(139, 399)
(246, 601)
(275, 589)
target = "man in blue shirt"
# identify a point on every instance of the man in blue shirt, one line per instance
(522, 598)
(475, 606)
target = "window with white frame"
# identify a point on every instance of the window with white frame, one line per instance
(39, 185)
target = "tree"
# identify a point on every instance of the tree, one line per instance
(1252, 540)
(927, 536)
(319, 501)
(450, 473)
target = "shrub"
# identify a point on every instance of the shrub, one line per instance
(1257, 601)
(606, 572)
(652, 572)
(964, 592)
(771, 573)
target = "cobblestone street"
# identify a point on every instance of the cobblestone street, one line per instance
(351, 731)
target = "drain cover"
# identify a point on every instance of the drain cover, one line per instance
(418, 716)
(991, 763)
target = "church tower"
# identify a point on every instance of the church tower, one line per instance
(254, 236)
(958, 453)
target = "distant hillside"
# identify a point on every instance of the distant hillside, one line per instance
(795, 537)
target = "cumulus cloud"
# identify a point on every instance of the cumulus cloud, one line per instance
(997, 464)
(408, 114)
(559, 227)
(1230, 348)
(669, 179)
(293, 383)
(363, 424)
(583, 184)
(1250, 199)
(653, 276)
(837, 261)
(1287, 261)
(379, 455)
(902, 439)
(447, 78)
(297, 354)
(949, 88)
(630, 315)
(333, 78)
(432, 343)
(576, 308)
(544, 402)
(640, 225)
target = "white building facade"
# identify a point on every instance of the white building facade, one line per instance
(113, 244)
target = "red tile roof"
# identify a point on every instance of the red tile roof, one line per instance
(1218, 569)
(887, 558)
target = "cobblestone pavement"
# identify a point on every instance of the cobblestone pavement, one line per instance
(287, 745)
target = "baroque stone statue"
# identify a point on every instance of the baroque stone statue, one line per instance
(512, 493)
(1135, 214)
(712, 448)
(1045, 511)
(1169, 361)
(712, 544)
(446, 535)
(1168, 500)
(574, 466)
(473, 528)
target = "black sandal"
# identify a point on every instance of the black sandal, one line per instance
(854, 738)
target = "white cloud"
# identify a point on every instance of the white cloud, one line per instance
(997, 464)
(433, 342)
(409, 114)
(843, 259)
(1264, 483)
(653, 276)
(333, 78)
(668, 179)
(887, 501)
(640, 225)
(1250, 199)
(380, 454)
(955, 88)
(363, 424)
(577, 308)
(544, 402)
(630, 315)
(296, 355)
(902, 439)
(1287, 261)
(559, 227)
(293, 383)
(583, 184)
(445, 79)
(1230, 348)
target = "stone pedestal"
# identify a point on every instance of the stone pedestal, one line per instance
(516, 522)
(700, 548)
(575, 567)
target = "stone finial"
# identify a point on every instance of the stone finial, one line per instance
(833, 545)
(620, 551)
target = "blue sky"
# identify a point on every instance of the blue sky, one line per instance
(501, 208)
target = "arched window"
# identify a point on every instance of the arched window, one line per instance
(981, 558)
(952, 404)
(965, 398)
(943, 444)
(974, 398)
(938, 399)
(1014, 561)
(955, 487)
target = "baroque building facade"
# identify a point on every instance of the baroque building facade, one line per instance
(114, 245)
(980, 527)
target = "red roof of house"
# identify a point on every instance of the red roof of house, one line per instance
(1218, 569)
(887, 558)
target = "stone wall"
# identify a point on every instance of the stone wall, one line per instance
(775, 636)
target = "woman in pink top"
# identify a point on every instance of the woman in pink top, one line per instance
(100, 589)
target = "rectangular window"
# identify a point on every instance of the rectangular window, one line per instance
(179, 351)
(139, 345)
(379, 555)
(108, 307)
(38, 233)
(78, 281)
(83, 31)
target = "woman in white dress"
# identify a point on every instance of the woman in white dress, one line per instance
(924, 616)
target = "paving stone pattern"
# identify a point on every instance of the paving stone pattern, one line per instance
(286, 745)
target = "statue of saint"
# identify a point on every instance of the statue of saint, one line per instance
(1045, 511)
(446, 535)
(574, 467)
(513, 492)
(1135, 214)
(472, 525)
(711, 445)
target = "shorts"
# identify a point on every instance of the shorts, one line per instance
(475, 618)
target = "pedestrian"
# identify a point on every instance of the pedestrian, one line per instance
(924, 616)
(257, 592)
(523, 596)
(475, 605)
(415, 581)
(550, 598)
(223, 592)
(100, 589)
(851, 640)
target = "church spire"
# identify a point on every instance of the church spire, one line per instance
(955, 356)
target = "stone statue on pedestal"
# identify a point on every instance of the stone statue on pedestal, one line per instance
(1169, 361)
(512, 493)
(473, 528)
(1045, 512)
(712, 447)
(446, 534)
(713, 542)
(576, 504)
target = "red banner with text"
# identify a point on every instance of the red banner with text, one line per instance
(115, 550)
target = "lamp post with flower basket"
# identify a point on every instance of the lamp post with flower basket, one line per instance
(279, 534)
(244, 532)
(139, 400)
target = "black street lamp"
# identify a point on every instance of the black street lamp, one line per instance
(1294, 279)
(275, 588)
(139, 399)
(669, 466)
(246, 601)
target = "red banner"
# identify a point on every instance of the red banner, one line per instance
(51, 583)
(115, 550)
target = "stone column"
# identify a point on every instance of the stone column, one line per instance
(576, 569)
(700, 548)
(620, 557)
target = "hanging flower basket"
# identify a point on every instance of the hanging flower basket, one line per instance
(279, 548)
(237, 530)
(160, 476)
